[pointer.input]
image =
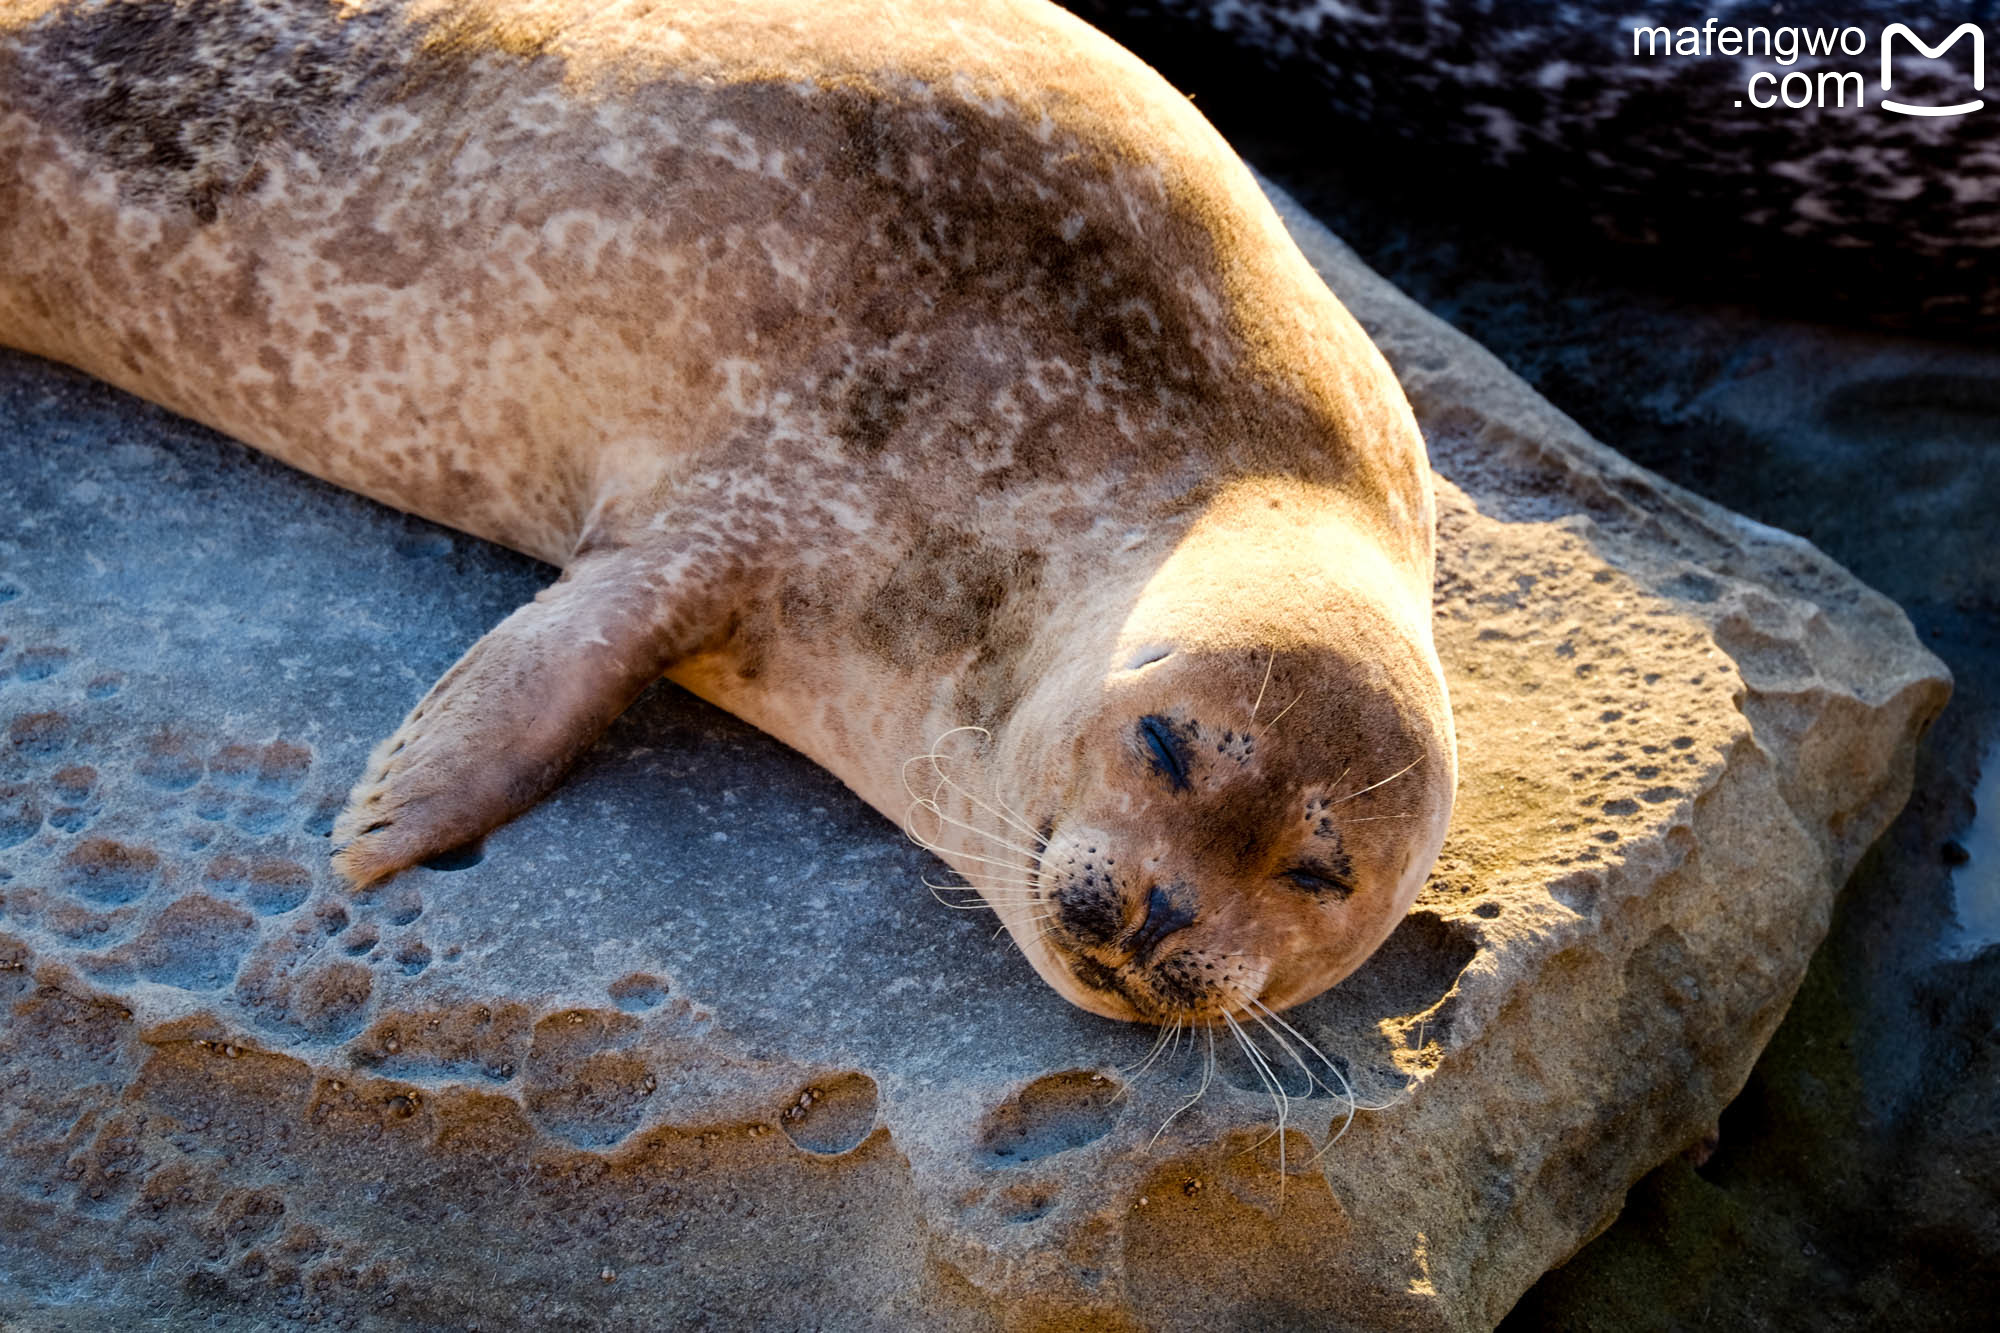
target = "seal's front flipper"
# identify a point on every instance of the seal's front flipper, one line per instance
(499, 729)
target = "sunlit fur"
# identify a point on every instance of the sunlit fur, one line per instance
(1314, 733)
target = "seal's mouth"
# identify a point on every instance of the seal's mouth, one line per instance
(1190, 987)
(1123, 950)
(1150, 965)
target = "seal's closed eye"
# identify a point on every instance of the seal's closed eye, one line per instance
(1157, 734)
(1317, 881)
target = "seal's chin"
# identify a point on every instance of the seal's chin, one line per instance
(1190, 987)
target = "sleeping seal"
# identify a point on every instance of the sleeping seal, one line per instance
(927, 384)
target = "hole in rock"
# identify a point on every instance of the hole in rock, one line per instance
(462, 857)
(1021, 1204)
(833, 1115)
(1415, 968)
(109, 872)
(169, 762)
(40, 663)
(1053, 1114)
(39, 733)
(638, 992)
(596, 1101)
(197, 943)
(20, 814)
(402, 906)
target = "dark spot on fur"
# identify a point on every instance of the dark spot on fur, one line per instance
(991, 688)
(1091, 909)
(183, 98)
(246, 297)
(1093, 974)
(180, 98)
(770, 318)
(466, 487)
(866, 135)
(944, 597)
(1178, 983)
(988, 228)
(807, 605)
(873, 409)
(279, 368)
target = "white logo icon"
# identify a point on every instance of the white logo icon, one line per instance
(1978, 68)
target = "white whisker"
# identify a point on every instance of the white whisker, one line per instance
(985, 878)
(961, 907)
(1207, 1073)
(1271, 1085)
(955, 822)
(1346, 1094)
(1159, 1044)
(998, 810)
(987, 899)
(1312, 1080)
(1259, 703)
(1282, 711)
(1384, 782)
(952, 854)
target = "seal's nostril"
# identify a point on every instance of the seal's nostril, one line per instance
(1162, 920)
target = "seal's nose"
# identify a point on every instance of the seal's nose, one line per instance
(1163, 918)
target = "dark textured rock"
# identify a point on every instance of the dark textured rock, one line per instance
(1851, 206)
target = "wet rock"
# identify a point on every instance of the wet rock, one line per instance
(763, 1079)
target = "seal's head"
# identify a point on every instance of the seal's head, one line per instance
(1225, 849)
(1257, 782)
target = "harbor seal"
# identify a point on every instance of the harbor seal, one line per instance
(928, 384)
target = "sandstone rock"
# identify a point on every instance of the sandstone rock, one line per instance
(692, 1045)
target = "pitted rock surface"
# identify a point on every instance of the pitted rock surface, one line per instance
(691, 1043)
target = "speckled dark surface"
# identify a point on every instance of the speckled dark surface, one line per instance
(1542, 115)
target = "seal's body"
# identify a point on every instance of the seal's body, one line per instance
(881, 376)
